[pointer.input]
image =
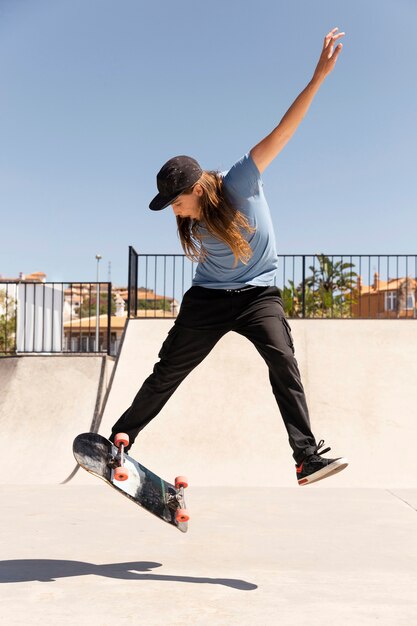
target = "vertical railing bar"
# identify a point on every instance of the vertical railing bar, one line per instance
(43, 317)
(341, 295)
(398, 291)
(133, 274)
(155, 284)
(109, 295)
(16, 305)
(62, 330)
(136, 283)
(132, 283)
(314, 288)
(52, 317)
(378, 290)
(165, 274)
(98, 314)
(182, 278)
(90, 308)
(174, 264)
(87, 329)
(26, 333)
(146, 286)
(70, 287)
(6, 335)
(130, 287)
(406, 287)
(284, 275)
(415, 286)
(293, 276)
(129, 282)
(34, 318)
(4, 341)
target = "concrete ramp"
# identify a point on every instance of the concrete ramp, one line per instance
(45, 401)
(222, 426)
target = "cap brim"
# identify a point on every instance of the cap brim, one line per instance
(161, 202)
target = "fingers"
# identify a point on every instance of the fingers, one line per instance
(335, 54)
(332, 32)
(329, 41)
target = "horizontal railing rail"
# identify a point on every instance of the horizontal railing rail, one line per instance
(313, 286)
(56, 317)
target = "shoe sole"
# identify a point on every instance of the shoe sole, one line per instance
(325, 472)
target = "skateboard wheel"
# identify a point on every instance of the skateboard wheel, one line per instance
(121, 438)
(182, 515)
(121, 473)
(181, 481)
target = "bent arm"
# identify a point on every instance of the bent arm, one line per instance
(267, 149)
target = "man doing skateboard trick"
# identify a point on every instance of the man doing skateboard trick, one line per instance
(224, 224)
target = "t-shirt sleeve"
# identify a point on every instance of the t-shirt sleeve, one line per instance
(243, 179)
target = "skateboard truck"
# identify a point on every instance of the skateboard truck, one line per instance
(121, 441)
(178, 500)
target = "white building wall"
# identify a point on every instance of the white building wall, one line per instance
(39, 318)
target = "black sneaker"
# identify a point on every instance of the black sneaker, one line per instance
(315, 468)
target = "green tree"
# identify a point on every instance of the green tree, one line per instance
(293, 298)
(88, 306)
(7, 324)
(327, 293)
(153, 305)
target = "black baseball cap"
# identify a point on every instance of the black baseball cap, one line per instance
(177, 175)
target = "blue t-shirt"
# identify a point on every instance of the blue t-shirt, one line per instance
(244, 189)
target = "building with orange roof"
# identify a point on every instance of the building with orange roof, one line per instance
(394, 298)
(36, 277)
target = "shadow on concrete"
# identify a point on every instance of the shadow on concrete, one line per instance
(48, 570)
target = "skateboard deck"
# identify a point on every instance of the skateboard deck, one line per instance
(98, 456)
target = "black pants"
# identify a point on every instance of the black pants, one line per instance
(205, 316)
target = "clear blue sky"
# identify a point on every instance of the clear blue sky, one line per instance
(97, 94)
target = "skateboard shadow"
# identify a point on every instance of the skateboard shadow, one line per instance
(48, 570)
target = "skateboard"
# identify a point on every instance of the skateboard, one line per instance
(109, 461)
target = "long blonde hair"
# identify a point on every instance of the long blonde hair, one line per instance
(221, 219)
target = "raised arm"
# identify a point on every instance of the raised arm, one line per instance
(267, 149)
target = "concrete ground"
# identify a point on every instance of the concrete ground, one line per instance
(82, 554)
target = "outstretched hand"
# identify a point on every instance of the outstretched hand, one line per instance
(267, 149)
(329, 54)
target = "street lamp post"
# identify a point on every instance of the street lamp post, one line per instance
(97, 346)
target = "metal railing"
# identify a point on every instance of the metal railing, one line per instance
(49, 318)
(53, 317)
(313, 286)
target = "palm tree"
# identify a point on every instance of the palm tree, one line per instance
(328, 292)
(332, 284)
